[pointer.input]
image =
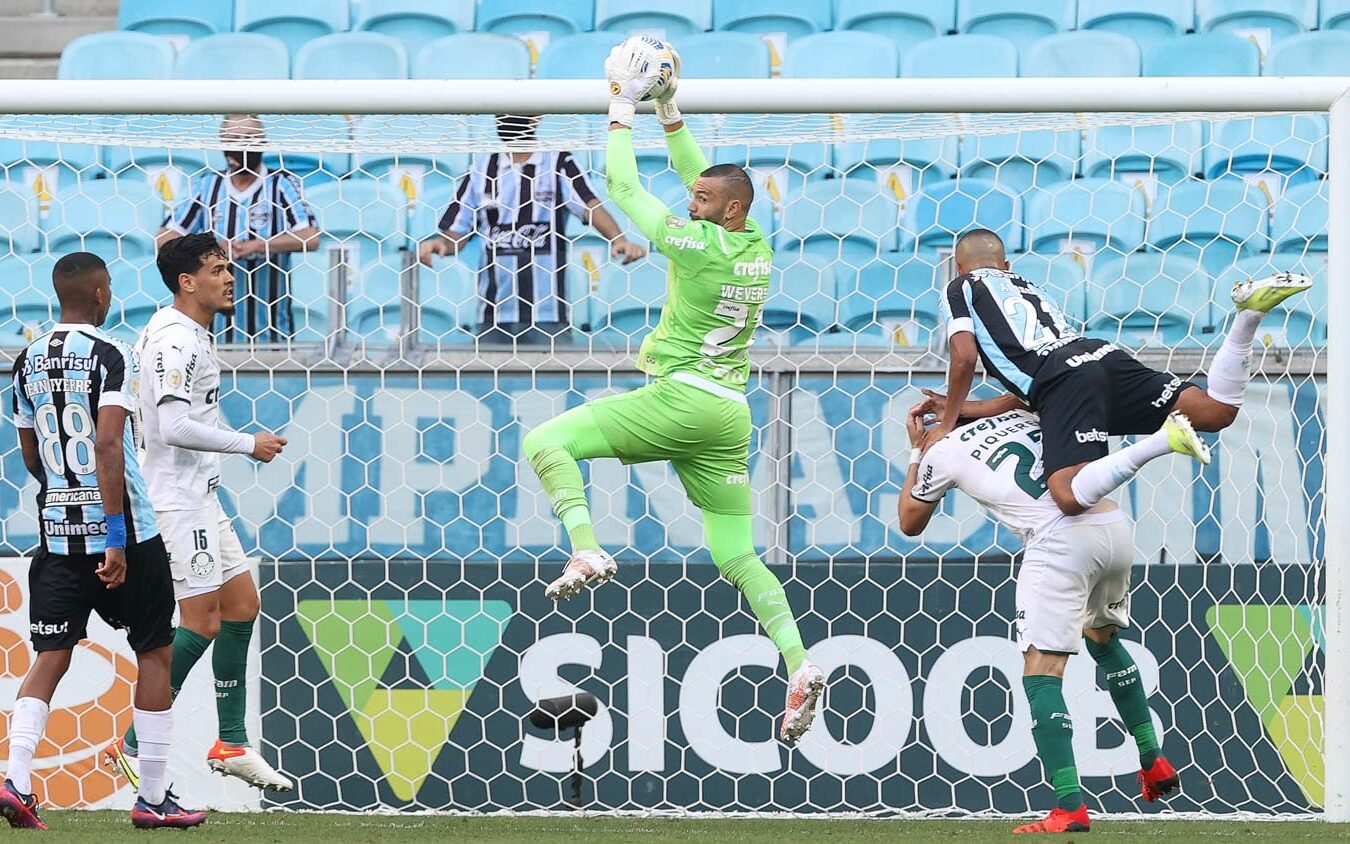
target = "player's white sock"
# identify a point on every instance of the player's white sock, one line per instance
(154, 735)
(1232, 365)
(1102, 476)
(26, 724)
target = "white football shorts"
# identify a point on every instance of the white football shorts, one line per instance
(204, 550)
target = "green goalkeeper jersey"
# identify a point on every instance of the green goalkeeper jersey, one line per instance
(718, 280)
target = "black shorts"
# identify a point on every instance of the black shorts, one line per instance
(63, 590)
(1089, 390)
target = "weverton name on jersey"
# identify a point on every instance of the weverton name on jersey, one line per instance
(750, 295)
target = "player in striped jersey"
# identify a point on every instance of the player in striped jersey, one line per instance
(74, 393)
(1086, 390)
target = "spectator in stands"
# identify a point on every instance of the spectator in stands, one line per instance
(518, 201)
(259, 217)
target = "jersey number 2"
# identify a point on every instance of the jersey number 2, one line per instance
(715, 342)
(1033, 333)
(77, 429)
(1024, 460)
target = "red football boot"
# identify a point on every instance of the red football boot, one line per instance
(1059, 821)
(1158, 780)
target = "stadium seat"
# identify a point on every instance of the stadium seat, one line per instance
(901, 166)
(1167, 153)
(640, 16)
(414, 22)
(1146, 21)
(1334, 14)
(27, 304)
(892, 302)
(18, 222)
(576, 56)
(906, 24)
(949, 58)
(375, 303)
(942, 212)
(1214, 222)
(628, 302)
(844, 220)
(829, 55)
(1018, 21)
(302, 133)
(110, 217)
(176, 18)
(792, 18)
(447, 296)
(1021, 161)
(117, 55)
(1300, 321)
(309, 287)
(1150, 299)
(417, 176)
(1085, 216)
(1086, 53)
(1270, 19)
(1295, 146)
(168, 171)
(292, 21)
(473, 55)
(234, 55)
(801, 304)
(778, 170)
(352, 55)
(1203, 54)
(1299, 226)
(553, 18)
(724, 55)
(363, 215)
(1063, 278)
(1311, 54)
(137, 292)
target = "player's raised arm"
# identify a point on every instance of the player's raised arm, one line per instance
(629, 82)
(919, 499)
(685, 155)
(962, 353)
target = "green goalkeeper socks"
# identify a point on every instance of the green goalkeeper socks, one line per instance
(1052, 731)
(188, 647)
(229, 662)
(1122, 681)
(552, 450)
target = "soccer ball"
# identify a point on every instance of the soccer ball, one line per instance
(650, 57)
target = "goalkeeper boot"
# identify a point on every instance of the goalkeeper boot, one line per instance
(115, 756)
(1262, 294)
(584, 569)
(167, 815)
(21, 810)
(246, 764)
(1158, 780)
(803, 694)
(1059, 821)
(1183, 439)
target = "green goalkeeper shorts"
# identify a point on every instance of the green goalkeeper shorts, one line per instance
(704, 436)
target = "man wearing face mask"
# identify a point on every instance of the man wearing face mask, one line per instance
(518, 201)
(259, 217)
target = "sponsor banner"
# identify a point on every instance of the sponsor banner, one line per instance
(406, 684)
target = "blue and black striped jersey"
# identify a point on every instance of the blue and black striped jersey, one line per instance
(60, 381)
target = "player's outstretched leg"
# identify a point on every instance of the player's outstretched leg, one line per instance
(553, 450)
(1052, 731)
(1099, 478)
(1157, 777)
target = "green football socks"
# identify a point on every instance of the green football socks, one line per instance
(1052, 731)
(229, 662)
(1127, 692)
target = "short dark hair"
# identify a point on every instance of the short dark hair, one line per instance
(185, 254)
(742, 187)
(76, 264)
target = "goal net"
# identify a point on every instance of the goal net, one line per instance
(403, 543)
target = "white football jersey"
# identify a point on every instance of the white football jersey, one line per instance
(997, 462)
(178, 363)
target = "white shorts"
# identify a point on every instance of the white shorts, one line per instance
(1075, 576)
(204, 550)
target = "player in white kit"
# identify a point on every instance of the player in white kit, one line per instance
(183, 438)
(1073, 585)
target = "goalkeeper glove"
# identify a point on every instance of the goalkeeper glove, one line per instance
(666, 110)
(627, 84)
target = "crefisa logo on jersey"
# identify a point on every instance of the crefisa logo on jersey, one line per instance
(756, 268)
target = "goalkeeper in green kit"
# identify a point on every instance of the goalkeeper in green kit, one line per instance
(694, 412)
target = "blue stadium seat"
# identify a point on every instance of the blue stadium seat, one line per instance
(1311, 54)
(778, 170)
(1294, 146)
(176, 18)
(137, 292)
(301, 132)
(1146, 21)
(1300, 221)
(949, 58)
(1063, 278)
(1334, 14)
(902, 166)
(1281, 17)
(27, 304)
(1018, 21)
(309, 287)
(628, 302)
(352, 55)
(117, 55)
(1086, 215)
(944, 211)
(1150, 299)
(829, 55)
(631, 16)
(292, 21)
(1203, 54)
(109, 217)
(793, 18)
(414, 22)
(473, 55)
(423, 179)
(1214, 222)
(447, 296)
(802, 301)
(1021, 161)
(576, 56)
(362, 215)
(234, 55)
(905, 24)
(18, 222)
(892, 302)
(844, 220)
(1299, 321)
(1088, 53)
(556, 18)
(168, 171)
(1169, 152)
(724, 55)
(375, 303)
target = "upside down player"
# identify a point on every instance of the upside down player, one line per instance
(694, 413)
(1073, 584)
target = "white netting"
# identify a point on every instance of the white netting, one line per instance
(404, 543)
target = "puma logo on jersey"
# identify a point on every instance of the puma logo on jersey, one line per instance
(686, 242)
(756, 268)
